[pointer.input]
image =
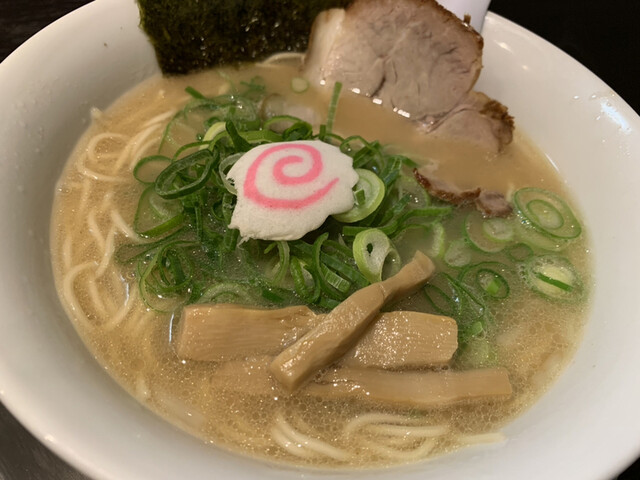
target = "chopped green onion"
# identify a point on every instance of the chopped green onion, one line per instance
(492, 284)
(443, 304)
(131, 252)
(333, 106)
(333, 279)
(359, 196)
(224, 167)
(230, 240)
(227, 292)
(155, 215)
(472, 331)
(330, 282)
(283, 262)
(371, 250)
(430, 212)
(498, 229)
(389, 214)
(458, 253)
(184, 149)
(148, 168)
(273, 295)
(213, 131)
(167, 273)
(277, 122)
(305, 283)
(347, 145)
(190, 202)
(408, 184)
(194, 93)
(554, 277)
(429, 239)
(435, 240)
(238, 142)
(449, 297)
(547, 212)
(373, 189)
(536, 239)
(490, 279)
(298, 131)
(175, 180)
(474, 227)
(340, 259)
(299, 84)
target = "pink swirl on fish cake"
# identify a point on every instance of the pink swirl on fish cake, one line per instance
(280, 177)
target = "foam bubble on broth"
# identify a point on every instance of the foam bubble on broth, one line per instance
(93, 211)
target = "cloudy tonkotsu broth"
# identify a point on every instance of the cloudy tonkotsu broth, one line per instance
(93, 214)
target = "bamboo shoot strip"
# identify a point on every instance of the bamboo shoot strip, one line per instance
(218, 332)
(400, 339)
(403, 340)
(413, 389)
(345, 324)
(421, 390)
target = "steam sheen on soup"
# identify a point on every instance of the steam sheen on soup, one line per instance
(530, 335)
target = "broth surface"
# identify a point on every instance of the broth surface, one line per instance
(93, 213)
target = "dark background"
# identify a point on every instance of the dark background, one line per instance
(603, 35)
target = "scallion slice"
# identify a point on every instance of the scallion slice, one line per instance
(148, 168)
(212, 132)
(333, 107)
(359, 196)
(284, 257)
(407, 184)
(299, 84)
(435, 240)
(450, 297)
(498, 229)
(547, 212)
(554, 277)
(490, 279)
(228, 292)
(306, 285)
(475, 230)
(223, 168)
(458, 253)
(185, 176)
(331, 284)
(156, 215)
(536, 239)
(373, 189)
(372, 249)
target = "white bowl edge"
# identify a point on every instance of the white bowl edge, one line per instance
(43, 403)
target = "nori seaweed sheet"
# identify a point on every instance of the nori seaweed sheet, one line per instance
(190, 35)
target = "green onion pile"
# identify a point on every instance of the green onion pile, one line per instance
(522, 249)
(193, 256)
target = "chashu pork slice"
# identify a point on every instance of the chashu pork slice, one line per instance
(476, 119)
(417, 58)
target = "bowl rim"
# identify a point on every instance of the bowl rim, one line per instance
(70, 452)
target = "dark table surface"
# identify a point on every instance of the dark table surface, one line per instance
(602, 35)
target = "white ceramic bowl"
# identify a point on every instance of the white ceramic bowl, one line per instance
(586, 427)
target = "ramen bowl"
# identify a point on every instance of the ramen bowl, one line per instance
(585, 427)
